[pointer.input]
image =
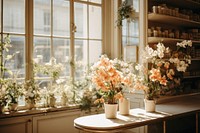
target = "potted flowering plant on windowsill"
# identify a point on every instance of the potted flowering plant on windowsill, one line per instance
(9, 87)
(109, 82)
(159, 71)
(31, 93)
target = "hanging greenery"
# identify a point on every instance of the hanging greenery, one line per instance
(125, 11)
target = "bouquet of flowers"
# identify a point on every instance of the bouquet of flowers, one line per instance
(109, 81)
(157, 71)
(31, 91)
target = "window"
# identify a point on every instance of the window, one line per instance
(68, 30)
(130, 34)
(52, 36)
(13, 23)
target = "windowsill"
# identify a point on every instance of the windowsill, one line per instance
(69, 108)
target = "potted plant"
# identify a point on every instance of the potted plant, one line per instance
(8, 86)
(31, 93)
(3, 100)
(125, 11)
(109, 82)
(13, 92)
(158, 72)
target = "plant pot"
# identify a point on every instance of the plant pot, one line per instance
(12, 106)
(150, 105)
(52, 101)
(30, 106)
(124, 106)
(1, 109)
(64, 101)
(110, 110)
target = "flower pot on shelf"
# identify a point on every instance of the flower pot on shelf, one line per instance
(110, 110)
(150, 105)
(12, 106)
(124, 106)
(52, 101)
(30, 105)
(1, 109)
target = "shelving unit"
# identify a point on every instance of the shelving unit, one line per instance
(172, 20)
(175, 22)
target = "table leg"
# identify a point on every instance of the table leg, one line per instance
(197, 123)
(164, 126)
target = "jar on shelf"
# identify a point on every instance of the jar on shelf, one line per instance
(159, 9)
(155, 33)
(149, 32)
(177, 35)
(166, 33)
(155, 9)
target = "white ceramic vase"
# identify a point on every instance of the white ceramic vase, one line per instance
(124, 106)
(110, 110)
(150, 105)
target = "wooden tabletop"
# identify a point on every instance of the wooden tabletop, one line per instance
(139, 117)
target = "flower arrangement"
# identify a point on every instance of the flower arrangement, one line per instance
(51, 68)
(108, 80)
(159, 71)
(125, 11)
(31, 91)
(13, 90)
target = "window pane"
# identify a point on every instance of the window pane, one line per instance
(14, 16)
(61, 53)
(81, 20)
(16, 63)
(96, 1)
(130, 29)
(134, 3)
(95, 22)
(61, 18)
(41, 50)
(95, 50)
(81, 57)
(42, 17)
(130, 40)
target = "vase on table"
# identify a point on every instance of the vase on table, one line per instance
(110, 110)
(124, 106)
(150, 105)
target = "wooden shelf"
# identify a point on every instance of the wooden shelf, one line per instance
(166, 40)
(184, 4)
(166, 19)
(195, 59)
(191, 77)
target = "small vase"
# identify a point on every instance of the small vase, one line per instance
(124, 106)
(110, 110)
(64, 101)
(52, 101)
(1, 109)
(30, 105)
(12, 106)
(150, 105)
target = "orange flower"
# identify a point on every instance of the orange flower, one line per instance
(163, 81)
(155, 75)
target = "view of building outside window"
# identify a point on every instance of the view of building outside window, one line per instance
(52, 34)
(14, 24)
